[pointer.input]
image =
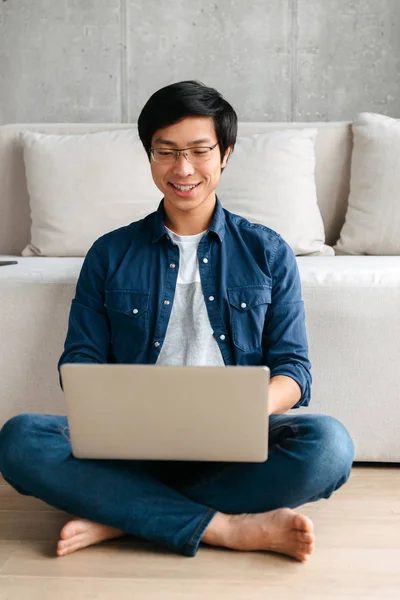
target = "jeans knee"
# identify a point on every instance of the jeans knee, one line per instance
(335, 448)
(14, 436)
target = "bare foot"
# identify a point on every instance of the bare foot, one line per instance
(282, 530)
(79, 533)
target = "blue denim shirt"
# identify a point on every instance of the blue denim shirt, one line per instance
(251, 287)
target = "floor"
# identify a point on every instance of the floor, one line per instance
(357, 555)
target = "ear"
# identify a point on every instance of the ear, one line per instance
(226, 156)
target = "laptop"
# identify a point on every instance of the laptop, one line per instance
(158, 412)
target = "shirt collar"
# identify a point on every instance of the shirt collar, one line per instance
(217, 224)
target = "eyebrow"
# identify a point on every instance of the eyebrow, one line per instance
(161, 140)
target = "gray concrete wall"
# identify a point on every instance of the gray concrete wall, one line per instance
(274, 60)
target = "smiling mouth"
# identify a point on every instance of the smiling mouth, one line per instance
(184, 188)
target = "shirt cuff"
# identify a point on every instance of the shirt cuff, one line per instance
(299, 378)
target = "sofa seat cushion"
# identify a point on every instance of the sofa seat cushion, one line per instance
(41, 269)
(353, 324)
(353, 329)
(349, 271)
(315, 271)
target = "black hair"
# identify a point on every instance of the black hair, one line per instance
(184, 99)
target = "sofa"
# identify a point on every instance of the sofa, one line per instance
(352, 302)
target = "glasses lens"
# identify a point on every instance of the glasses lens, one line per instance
(193, 155)
(198, 155)
(164, 156)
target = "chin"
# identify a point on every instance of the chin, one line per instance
(185, 203)
(177, 201)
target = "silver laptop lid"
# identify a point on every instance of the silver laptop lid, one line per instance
(167, 412)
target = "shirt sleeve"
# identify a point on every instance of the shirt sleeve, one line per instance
(88, 337)
(285, 345)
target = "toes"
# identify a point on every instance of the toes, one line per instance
(63, 551)
(303, 557)
(304, 552)
(77, 544)
(306, 549)
(304, 536)
(303, 523)
(66, 544)
(75, 527)
(70, 529)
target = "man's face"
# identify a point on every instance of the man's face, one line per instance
(190, 132)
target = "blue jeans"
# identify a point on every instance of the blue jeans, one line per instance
(172, 502)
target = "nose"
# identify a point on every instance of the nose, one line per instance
(183, 167)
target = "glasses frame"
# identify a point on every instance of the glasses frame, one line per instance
(179, 151)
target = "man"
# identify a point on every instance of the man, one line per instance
(190, 284)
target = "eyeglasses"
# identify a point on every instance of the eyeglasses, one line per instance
(196, 155)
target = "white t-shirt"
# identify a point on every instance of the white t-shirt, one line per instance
(189, 339)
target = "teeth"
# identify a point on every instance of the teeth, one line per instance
(184, 188)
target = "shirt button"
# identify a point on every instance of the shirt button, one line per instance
(211, 298)
(243, 305)
(135, 311)
(172, 265)
(157, 344)
(205, 260)
(166, 302)
(222, 337)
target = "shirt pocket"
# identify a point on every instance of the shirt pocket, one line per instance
(128, 315)
(248, 308)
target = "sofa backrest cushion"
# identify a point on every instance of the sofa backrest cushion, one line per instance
(333, 156)
(372, 223)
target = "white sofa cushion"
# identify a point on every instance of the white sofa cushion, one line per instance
(353, 321)
(372, 223)
(82, 186)
(270, 179)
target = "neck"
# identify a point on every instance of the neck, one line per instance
(191, 222)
